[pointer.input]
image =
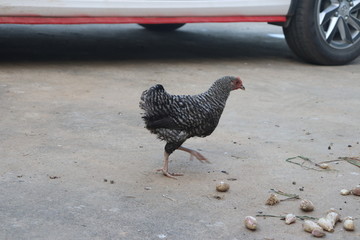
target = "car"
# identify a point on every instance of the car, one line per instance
(325, 32)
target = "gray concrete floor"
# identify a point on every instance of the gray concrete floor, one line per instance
(76, 162)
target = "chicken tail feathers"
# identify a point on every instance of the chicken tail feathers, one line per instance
(151, 103)
(151, 98)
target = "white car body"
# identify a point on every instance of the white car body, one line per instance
(142, 8)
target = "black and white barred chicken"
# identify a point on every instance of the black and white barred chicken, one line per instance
(175, 118)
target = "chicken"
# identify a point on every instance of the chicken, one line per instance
(175, 118)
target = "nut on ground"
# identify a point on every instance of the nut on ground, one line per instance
(310, 226)
(222, 186)
(250, 222)
(324, 166)
(290, 218)
(272, 200)
(356, 191)
(345, 192)
(306, 205)
(349, 224)
(318, 233)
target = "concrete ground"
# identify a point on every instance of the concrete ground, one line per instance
(77, 163)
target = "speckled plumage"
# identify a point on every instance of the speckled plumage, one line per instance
(175, 118)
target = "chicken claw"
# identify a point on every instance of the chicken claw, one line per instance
(168, 174)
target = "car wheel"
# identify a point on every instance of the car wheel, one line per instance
(325, 32)
(162, 27)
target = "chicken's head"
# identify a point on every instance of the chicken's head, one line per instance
(237, 84)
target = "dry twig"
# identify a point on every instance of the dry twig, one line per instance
(289, 196)
(283, 217)
(307, 160)
(352, 160)
(166, 196)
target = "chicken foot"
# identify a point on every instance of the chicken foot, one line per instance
(194, 153)
(165, 168)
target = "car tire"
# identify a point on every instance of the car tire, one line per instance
(167, 27)
(325, 32)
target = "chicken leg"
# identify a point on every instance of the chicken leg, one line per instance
(194, 153)
(165, 168)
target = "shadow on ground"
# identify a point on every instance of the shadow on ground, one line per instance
(132, 42)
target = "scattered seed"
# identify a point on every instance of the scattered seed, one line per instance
(217, 197)
(232, 179)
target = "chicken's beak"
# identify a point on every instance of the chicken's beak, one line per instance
(242, 87)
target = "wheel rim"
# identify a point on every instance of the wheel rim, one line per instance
(339, 22)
